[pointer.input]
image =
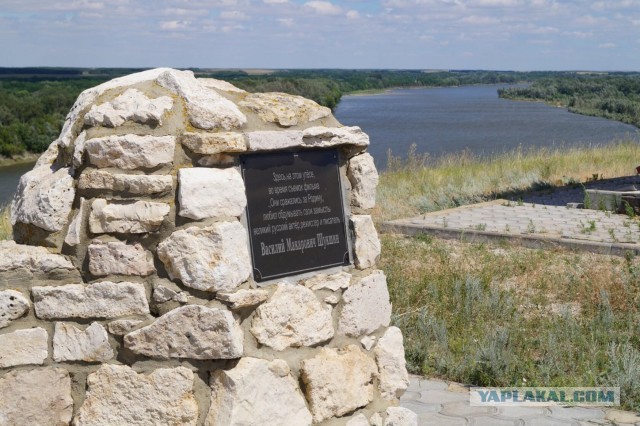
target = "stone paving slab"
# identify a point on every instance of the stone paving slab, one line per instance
(531, 224)
(438, 403)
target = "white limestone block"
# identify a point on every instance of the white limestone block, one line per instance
(36, 397)
(367, 245)
(206, 109)
(31, 258)
(214, 143)
(325, 137)
(284, 109)
(366, 306)
(359, 420)
(192, 331)
(77, 226)
(122, 327)
(162, 294)
(132, 184)
(269, 140)
(256, 392)
(117, 257)
(400, 416)
(367, 342)
(213, 258)
(292, 317)
(163, 397)
(241, 299)
(13, 305)
(212, 83)
(130, 152)
(23, 347)
(338, 381)
(393, 376)
(73, 344)
(44, 198)
(205, 193)
(132, 105)
(331, 282)
(99, 300)
(126, 217)
(363, 176)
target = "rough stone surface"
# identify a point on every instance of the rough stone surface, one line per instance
(225, 86)
(338, 381)
(78, 149)
(13, 305)
(284, 109)
(99, 300)
(76, 230)
(393, 376)
(116, 257)
(192, 331)
(136, 217)
(214, 143)
(367, 245)
(400, 416)
(366, 306)
(44, 198)
(206, 109)
(243, 298)
(132, 184)
(269, 140)
(24, 347)
(132, 105)
(331, 282)
(162, 294)
(33, 259)
(292, 317)
(36, 397)
(368, 342)
(163, 397)
(332, 299)
(130, 152)
(256, 392)
(122, 327)
(205, 193)
(363, 176)
(325, 137)
(359, 420)
(73, 344)
(214, 258)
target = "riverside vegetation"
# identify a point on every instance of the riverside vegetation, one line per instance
(496, 314)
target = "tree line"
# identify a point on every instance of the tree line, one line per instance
(614, 96)
(35, 101)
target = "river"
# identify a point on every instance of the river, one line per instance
(452, 119)
(445, 120)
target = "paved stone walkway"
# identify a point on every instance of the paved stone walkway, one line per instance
(440, 403)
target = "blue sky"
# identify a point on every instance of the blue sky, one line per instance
(416, 34)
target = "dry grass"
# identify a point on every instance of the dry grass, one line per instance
(503, 315)
(5, 223)
(421, 184)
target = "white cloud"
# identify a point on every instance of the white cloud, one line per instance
(174, 25)
(177, 11)
(286, 22)
(353, 14)
(608, 45)
(324, 7)
(275, 1)
(79, 5)
(233, 15)
(479, 20)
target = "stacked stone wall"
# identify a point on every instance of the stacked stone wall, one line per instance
(129, 297)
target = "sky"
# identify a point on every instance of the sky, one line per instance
(390, 34)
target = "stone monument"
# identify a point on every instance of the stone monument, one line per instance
(189, 253)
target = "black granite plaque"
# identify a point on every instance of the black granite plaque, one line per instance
(294, 212)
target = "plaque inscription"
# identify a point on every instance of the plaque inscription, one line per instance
(295, 212)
